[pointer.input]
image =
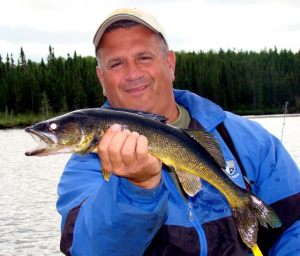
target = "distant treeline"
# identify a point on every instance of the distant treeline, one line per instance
(243, 82)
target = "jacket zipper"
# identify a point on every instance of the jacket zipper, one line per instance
(199, 228)
(191, 216)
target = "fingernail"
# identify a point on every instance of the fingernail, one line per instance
(115, 127)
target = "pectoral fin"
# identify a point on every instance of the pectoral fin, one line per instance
(190, 183)
(106, 174)
(92, 144)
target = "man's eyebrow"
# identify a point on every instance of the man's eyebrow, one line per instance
(138, 54)
(115, 59)
(144, 53)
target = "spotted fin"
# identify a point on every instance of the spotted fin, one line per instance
(190, 183)
(209, 143)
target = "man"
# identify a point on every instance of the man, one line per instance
(142, 209)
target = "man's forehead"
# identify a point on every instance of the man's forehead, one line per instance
(120, 32)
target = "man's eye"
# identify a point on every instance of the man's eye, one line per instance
(115, 65)
(145, 59)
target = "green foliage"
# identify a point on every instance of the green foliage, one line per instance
(60, 85)
(243, 82)
(10, 120)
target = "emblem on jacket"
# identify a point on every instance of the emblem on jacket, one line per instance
(230, 169)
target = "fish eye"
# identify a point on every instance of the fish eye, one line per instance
(53, 127)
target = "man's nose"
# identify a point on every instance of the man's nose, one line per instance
(133, 71)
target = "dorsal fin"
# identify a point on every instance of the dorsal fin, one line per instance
(149, 115)
(209, 143)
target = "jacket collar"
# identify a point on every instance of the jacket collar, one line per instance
(207, 113)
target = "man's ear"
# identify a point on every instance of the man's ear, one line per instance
(101, 79)
(171, 60)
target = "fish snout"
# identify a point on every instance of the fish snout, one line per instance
(28, 153)
(28, 129)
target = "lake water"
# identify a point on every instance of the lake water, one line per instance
(29, 223)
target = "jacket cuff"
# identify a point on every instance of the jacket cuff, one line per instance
(137, 193)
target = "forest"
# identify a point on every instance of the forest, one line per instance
(243, 82)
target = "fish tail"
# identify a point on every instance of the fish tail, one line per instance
(249, 214)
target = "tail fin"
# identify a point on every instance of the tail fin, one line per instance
(249, 214)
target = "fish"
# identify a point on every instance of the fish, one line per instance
(195, 155)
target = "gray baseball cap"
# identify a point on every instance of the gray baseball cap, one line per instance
(140, 16)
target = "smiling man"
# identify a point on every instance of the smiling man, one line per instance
(136, 67)
(143, 210)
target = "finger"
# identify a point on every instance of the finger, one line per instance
(104, 145)
(129, 149)
(141, 148)
(115, 149)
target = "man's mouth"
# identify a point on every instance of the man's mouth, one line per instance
(137, 90)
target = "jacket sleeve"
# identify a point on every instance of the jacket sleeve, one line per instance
(289, 243)
(276, 179)
(106, 218)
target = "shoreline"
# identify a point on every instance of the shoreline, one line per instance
(30, 122)
(273, 115)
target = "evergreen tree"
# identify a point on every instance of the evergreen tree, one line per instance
(243, 82)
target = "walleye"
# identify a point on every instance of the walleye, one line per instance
(193, 154)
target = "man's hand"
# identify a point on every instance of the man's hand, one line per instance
(125, 154)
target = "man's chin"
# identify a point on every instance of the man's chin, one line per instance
(140, 106)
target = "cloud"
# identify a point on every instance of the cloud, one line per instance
(28, 34)
(294, 3)
(69, 25)
(289, 27)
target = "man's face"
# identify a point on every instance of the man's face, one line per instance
(134, 73)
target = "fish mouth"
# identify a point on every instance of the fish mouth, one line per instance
(44, 143)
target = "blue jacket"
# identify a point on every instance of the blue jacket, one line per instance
(119, 218)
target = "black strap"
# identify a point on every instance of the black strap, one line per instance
(226, 137)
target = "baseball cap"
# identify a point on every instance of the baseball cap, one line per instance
(140, 16)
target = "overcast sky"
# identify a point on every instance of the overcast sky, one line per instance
(199, 25)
